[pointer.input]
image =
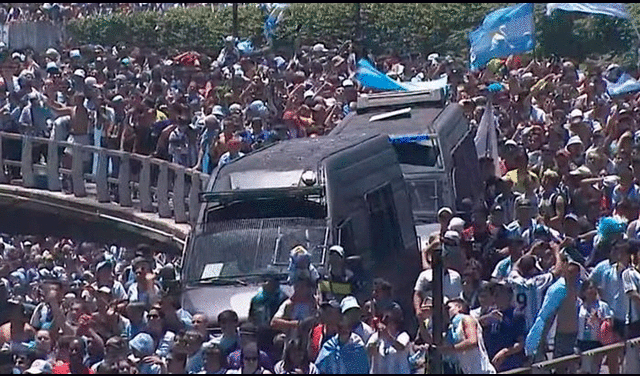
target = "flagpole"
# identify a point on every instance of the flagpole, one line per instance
(638, 35)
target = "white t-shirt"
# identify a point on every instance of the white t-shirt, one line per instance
(364, 331)
(528, 293)
(586, 331)
(451, 284)
(387, 359)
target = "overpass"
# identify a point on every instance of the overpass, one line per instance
(148, 200)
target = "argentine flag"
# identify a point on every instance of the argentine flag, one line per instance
(504, 32)
(625, 85)
(370, 77)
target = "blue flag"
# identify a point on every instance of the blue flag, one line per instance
(625, 85)
(608, 9)
(504, 32)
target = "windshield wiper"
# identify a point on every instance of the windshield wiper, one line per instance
(221, 281)
(237, 279)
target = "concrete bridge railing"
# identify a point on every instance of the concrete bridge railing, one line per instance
(147, 184)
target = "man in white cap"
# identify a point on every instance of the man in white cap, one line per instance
(339, 281)
(353, 315)
(444, 217)
(575, 148)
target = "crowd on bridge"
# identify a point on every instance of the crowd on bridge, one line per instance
(547, 259)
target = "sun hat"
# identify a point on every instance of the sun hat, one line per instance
(574, 140)
(348, 302)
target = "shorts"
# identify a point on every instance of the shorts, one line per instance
(564, 344)
(79, 140)
(588, 345)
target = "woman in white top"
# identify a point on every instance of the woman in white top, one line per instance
(464, 340)
(593, 312)
(388, 347)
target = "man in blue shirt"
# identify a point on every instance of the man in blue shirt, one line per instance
(504, 339)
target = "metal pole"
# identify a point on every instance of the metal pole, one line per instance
(438, 319)
(235, 20)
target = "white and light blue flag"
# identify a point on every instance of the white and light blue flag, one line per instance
(370, 77)
(276, 14)
(625, 85)
(504, 32)
(608, 9)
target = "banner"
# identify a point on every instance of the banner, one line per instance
(608, 9)
(504, 32)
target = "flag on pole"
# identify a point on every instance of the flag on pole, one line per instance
(504, 32)
(276, 14)
(486, 139)
(608, 9)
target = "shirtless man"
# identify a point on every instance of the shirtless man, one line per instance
(567, 332)
(78, 125)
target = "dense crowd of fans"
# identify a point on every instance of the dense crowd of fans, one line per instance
(554, 235)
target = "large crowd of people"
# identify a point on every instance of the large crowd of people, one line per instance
(555, 234)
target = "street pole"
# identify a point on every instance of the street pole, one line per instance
(235, 20)
(438, 320)
(358, 34)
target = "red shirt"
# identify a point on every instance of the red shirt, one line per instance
(317, 340)
(64, 369)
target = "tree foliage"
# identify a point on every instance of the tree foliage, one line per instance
(401, 28)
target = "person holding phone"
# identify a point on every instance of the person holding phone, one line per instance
(388, 347)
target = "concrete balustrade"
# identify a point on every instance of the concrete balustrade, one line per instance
(175, 194)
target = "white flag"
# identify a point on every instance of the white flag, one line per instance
(608, 9)
(486, 139)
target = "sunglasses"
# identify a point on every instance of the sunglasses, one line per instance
(251, 358)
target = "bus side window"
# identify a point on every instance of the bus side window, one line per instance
(384, 229)
(346, 237)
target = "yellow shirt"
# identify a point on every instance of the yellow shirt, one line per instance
(520, 179)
